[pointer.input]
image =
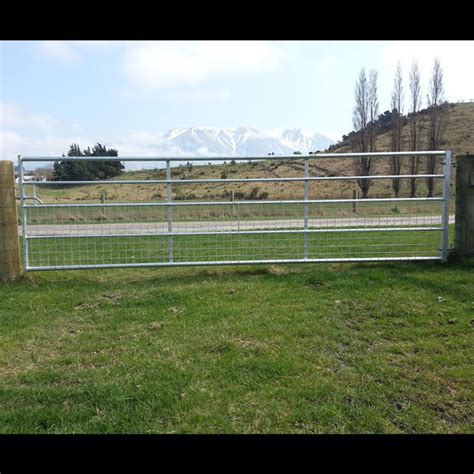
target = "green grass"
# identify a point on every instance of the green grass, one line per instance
(333, 348)
(205, 248)
(340, 348)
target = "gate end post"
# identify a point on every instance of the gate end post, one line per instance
(464, 226)
(9, 244)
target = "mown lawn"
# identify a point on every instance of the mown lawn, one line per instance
(328, 348)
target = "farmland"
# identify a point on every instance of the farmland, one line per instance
(328, 348)
(314, 348)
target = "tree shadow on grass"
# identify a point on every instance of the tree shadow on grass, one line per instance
(136, 276)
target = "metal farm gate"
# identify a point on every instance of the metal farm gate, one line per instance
(209, 215)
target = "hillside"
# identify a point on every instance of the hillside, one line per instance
(459, 137)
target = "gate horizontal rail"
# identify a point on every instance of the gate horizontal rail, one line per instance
(236, 203)
(230, 232)
(233, 180)
(375, 154)
(228, 262)
(195, 232)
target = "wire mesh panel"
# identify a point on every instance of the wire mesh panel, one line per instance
(258, 210)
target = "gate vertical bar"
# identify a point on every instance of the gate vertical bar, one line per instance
(445, 217)
(23, 213)
(170, 208)
(306, 209)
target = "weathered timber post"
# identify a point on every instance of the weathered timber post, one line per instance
(354, 203)
(9, 244)
(464, 227)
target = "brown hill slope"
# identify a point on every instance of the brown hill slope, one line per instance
(459, 137)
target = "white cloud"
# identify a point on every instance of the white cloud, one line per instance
(193, 94)
(101, 43)
(61, 51)
(138, 143)
(141, 137)
(188, 94)
(13, 144)
(26, 133)
(72, 51)
(10, 144)
(14, 116)
(218, 94)
(160, 64)
(456, 58)
(56, 146)
(23, 133)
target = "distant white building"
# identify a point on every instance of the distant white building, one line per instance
(30, 177)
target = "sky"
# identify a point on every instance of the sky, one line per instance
(123, 93)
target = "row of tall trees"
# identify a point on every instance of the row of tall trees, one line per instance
(367, 123)
(396, 136)
(437, 119)
(415, 142)
(364, 116)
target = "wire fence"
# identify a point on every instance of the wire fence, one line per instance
(67, 230)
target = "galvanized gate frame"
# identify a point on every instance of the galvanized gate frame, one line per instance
(306, 179)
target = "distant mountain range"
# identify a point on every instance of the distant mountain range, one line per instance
(241, 141)
(224, 142)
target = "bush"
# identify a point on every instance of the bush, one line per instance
(254, 193)
(87, 170)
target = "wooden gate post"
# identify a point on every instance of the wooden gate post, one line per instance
(9, 245)
(464, 228)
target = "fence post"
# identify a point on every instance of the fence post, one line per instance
(9, 244)
(102, 200)
(464, 227)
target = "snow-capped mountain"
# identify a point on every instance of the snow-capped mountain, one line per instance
(302, 139)
(242, 141)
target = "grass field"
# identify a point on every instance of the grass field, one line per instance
(155, 249)
(328, 348)
(227, 211)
